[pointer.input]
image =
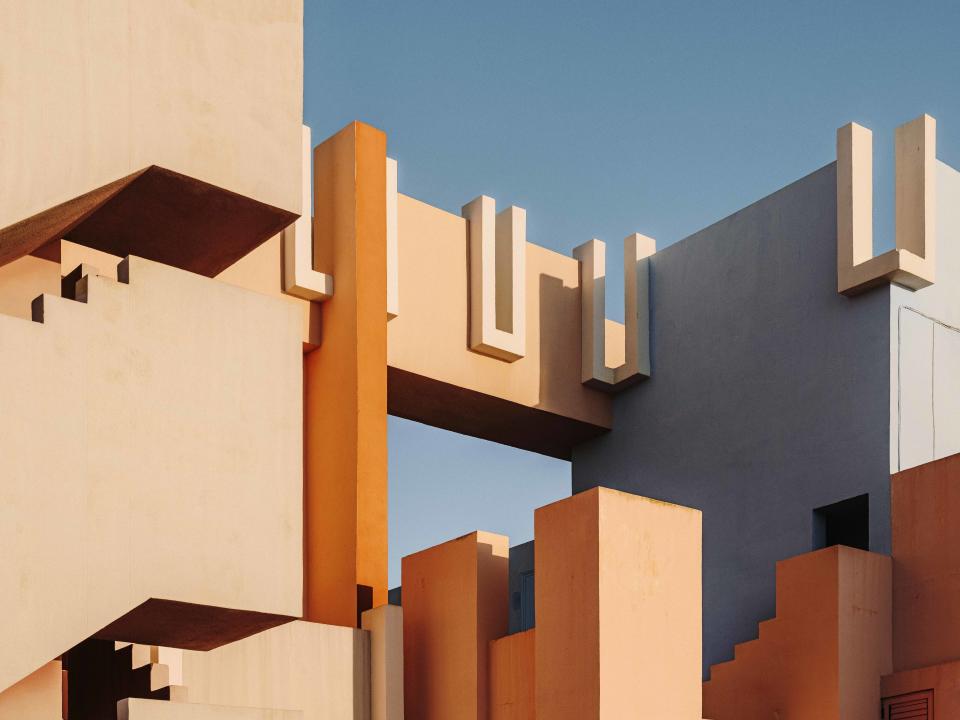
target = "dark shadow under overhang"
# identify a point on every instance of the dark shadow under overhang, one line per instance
(433, 402)
(157, 214)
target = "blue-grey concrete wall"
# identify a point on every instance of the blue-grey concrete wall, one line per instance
(769, 397)
(521, 566)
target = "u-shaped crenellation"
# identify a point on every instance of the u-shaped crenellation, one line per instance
(595, 372)
(912, 262)
(497, 259)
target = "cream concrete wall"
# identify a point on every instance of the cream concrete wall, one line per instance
(320, 670)
(136, 709)
(152, 448)
(39, 696)
(429, 336)
(385, 625)
(260, 270)
(93, 91)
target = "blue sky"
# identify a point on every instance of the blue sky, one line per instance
(603, 119)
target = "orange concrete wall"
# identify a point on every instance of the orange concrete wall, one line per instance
(925, 506)
(618, 608)
(512, 674)
(454, 605)
(345, 384)
(823, 654)
(943, 679)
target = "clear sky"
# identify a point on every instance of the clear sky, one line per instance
(602, 119)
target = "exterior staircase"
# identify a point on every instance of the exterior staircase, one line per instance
(100, 673)
(823, 654)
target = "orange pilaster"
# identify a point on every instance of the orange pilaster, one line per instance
(345, 384)
(454, 605)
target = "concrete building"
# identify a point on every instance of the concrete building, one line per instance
(772, 397)
(197, 373)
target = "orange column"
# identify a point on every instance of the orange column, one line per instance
(454, 604)
(345, 384)
(512, 674)
(618, 608)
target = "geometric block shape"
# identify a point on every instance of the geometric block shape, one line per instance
(536, 402)
(345, 384)
(912, 263)
(38, 696)
(393, 239)
(454, 605)
(925, 501)
(595, 372)
(139, 709)
(498, 260)
(299, 276)
(618, 608)
(512, 688)
(823, 654)
(322, 670)
(185, 89)
(385, 625)
(168, 445)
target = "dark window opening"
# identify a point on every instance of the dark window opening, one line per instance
(843, 523)
(527, 607)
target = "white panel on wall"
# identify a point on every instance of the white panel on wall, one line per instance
(946, 403)
(916, 389)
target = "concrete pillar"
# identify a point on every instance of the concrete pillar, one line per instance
(454, 604)
(618, 608)
(385, 624)
(512, 676)
(345, 384)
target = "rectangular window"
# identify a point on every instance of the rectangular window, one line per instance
(914, 706)
(843, 523)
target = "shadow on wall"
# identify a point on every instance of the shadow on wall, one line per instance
(558, 303)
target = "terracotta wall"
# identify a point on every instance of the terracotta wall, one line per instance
(824, 653)
(454, 605)
(925, 504)
(512, 677)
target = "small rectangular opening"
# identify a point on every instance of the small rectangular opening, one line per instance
(843, 523)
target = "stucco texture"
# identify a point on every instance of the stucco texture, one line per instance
(162, 457)
(769, 397)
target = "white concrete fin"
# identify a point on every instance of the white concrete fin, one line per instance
(498, 256)
(393, 240)
(912, 262)
(299, 277)
(594, 370)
